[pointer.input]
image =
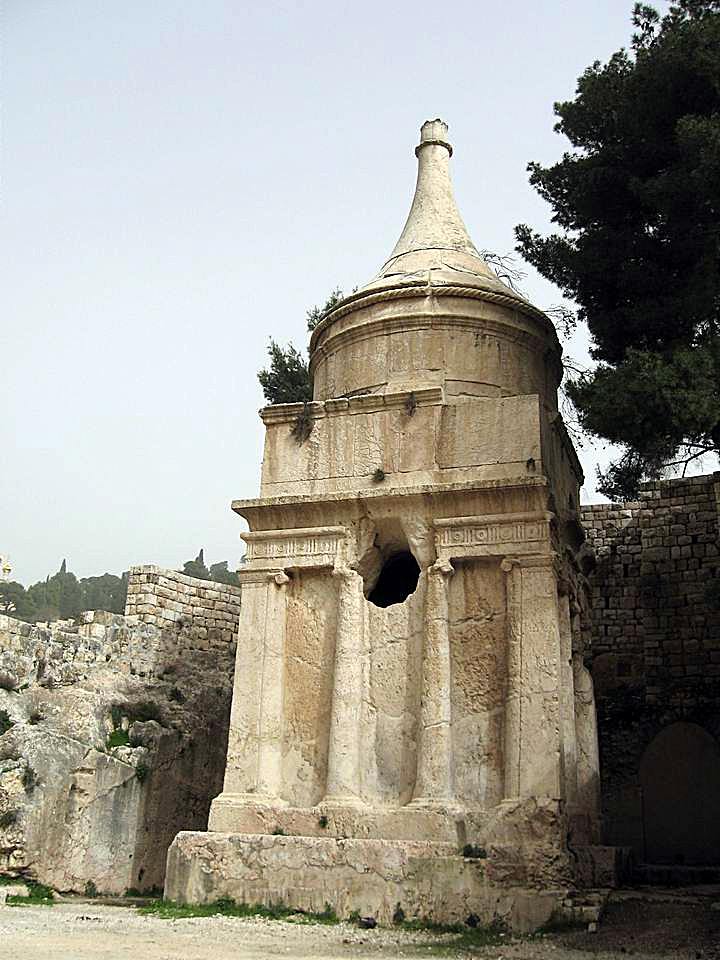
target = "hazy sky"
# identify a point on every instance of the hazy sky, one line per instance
(181, 180)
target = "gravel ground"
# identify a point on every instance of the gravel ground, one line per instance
(644, 926)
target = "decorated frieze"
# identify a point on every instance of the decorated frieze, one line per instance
(496, 535)
(302, 547)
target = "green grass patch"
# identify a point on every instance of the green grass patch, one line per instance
(118, 738)
(39, 895)
(464, 938)
(151, 893)
(8, 881)
(170, 910)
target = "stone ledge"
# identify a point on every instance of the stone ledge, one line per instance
(421, 491)
(239, 814)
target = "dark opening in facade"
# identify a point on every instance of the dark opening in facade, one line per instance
(398, 579)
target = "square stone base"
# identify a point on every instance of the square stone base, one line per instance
(427, 880)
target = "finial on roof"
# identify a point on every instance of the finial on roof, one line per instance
(435, 249)
(434, 131)
(434, 236)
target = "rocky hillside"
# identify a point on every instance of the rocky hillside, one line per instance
(113, 732)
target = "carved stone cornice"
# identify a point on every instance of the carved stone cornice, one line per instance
(362, 403)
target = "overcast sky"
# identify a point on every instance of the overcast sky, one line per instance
(182, 180)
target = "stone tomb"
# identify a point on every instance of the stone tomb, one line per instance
(410, 680)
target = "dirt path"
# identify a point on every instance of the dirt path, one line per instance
(684, 928)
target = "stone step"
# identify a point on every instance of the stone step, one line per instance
(586, 906)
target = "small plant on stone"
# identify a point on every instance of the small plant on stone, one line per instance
(29, 780)
(91, 889)
(9, 752)
(144, 710)
(378, 476)
(5, 722)
(328, 915)
(36, 717)
(473, 852)
(8, 818)
(8, 682)
(399, 915)
(279, 832)
(303, 426)
(323, 822)
(176, 695)
(116, 714)
(118, 738)
(142, 771)
(411, 404)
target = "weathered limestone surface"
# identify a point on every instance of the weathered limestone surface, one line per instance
(373, 877)
(75, 809)
(414, 602)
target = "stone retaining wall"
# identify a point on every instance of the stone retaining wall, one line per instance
(655, 639)
(208, 611)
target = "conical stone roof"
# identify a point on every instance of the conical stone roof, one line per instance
(435, 248)
(412, 321)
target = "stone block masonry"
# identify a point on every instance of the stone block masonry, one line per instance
(208, 611)
(656, 663)
(655, 614)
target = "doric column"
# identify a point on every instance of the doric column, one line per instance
(343, 770)
(533, 736)
(433, 784)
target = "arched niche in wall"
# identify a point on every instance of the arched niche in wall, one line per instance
(680, 778)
